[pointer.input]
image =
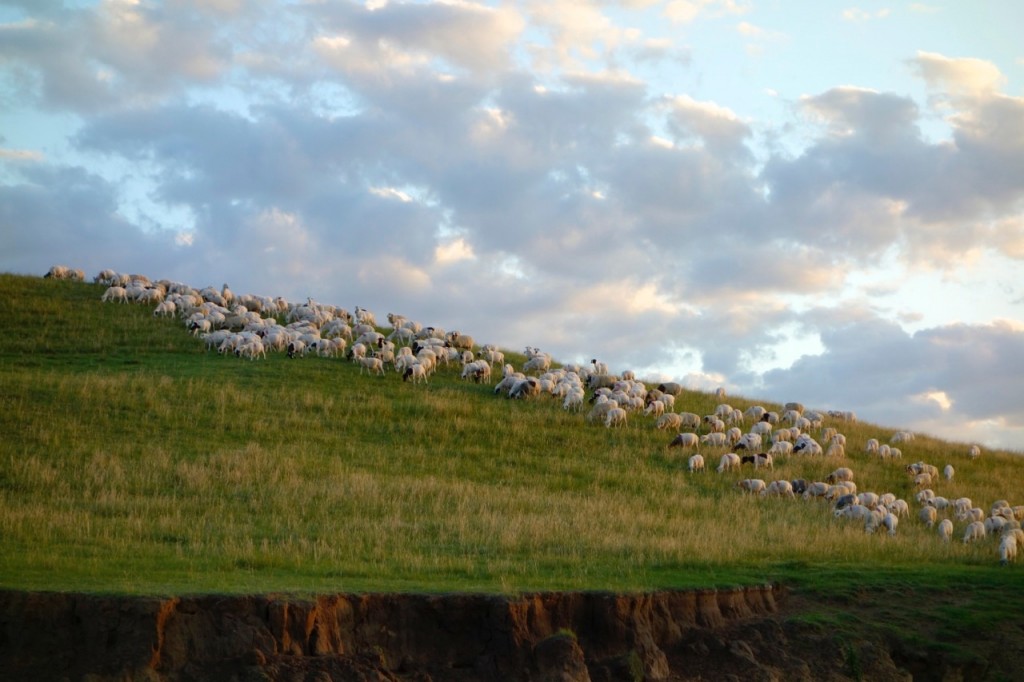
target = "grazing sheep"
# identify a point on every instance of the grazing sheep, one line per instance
(1007, 549)
(749, 441)
(685, 440)
(689, 420)
(695, 463)
(945, 530)
(730, 461)
(669, 420)
(780, 448)
(671, 388)
(928, 516)
(714, 440)
(615, 417)
(372, 365)
(840, 474)
(754, 486)
(799, 486)
(415, 372)
(975, 531)
(779, 488)
(855, 512)
(656, 408)
(525, 388)
(900, 508)
(816, 489)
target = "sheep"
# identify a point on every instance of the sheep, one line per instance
(599, 367)
(671, 388)
(115, 293)
(1007, 549)
(753, 486)
(525, 388)
(761, 459)
(573, 400)
(994, 525)
(780, 448)
(928, 515)
(730, 461)
(945, 530)
(415, 372)
(684, 440)
(807, 445)
(900, 508)
(779, 488)
(761, 428)
(948, 472)
(478, 371)
(657, 408)
(794, 407)
(669, 420)
(974, 452)
(714, 439)
(754, 413)
(689, 420)
(371, 364)
(868, 499)
(749, 441)
(840, 474)
(975, 531)
(615, 417)
(901, 437)
(816, 489)
(871, 446)
(890, 521)
(799, 486)
(695, 463)
(733, 435)
(855, 512)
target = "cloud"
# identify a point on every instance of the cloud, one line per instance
(959, 76)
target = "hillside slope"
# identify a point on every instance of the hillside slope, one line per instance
(137, 463)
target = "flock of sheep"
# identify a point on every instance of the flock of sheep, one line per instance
(248, 326)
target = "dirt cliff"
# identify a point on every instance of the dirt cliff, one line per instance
(674, 635)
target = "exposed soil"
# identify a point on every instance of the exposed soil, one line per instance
(747, 634)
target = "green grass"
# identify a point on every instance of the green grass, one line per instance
(132, 461)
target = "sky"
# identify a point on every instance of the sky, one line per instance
(819, 202)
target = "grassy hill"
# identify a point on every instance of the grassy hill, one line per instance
(133, 461)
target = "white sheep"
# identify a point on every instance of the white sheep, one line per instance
(749, 441)
(975, 531)
(928, 516)
(780, 448)
(371, 364)
(689, 420)
(615, 417)
(656, 408)
(840, 474)
(669, 420)
(714, 439)
(945, 530)
(695, 463)
(416, 372)
(730, 461)
(115, 293)
(754, 486)
(780, 488)
(974, 452)
(1007, 549)
(685, 440)
(816, 489)
(948, 472)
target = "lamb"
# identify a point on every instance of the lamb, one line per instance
(695, 463)
(684, 440)
(975, 531)
(945, 530)
(730, 461)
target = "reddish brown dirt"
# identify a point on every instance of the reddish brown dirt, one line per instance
(739, 634)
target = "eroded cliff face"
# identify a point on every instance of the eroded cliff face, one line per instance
(684, 635)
